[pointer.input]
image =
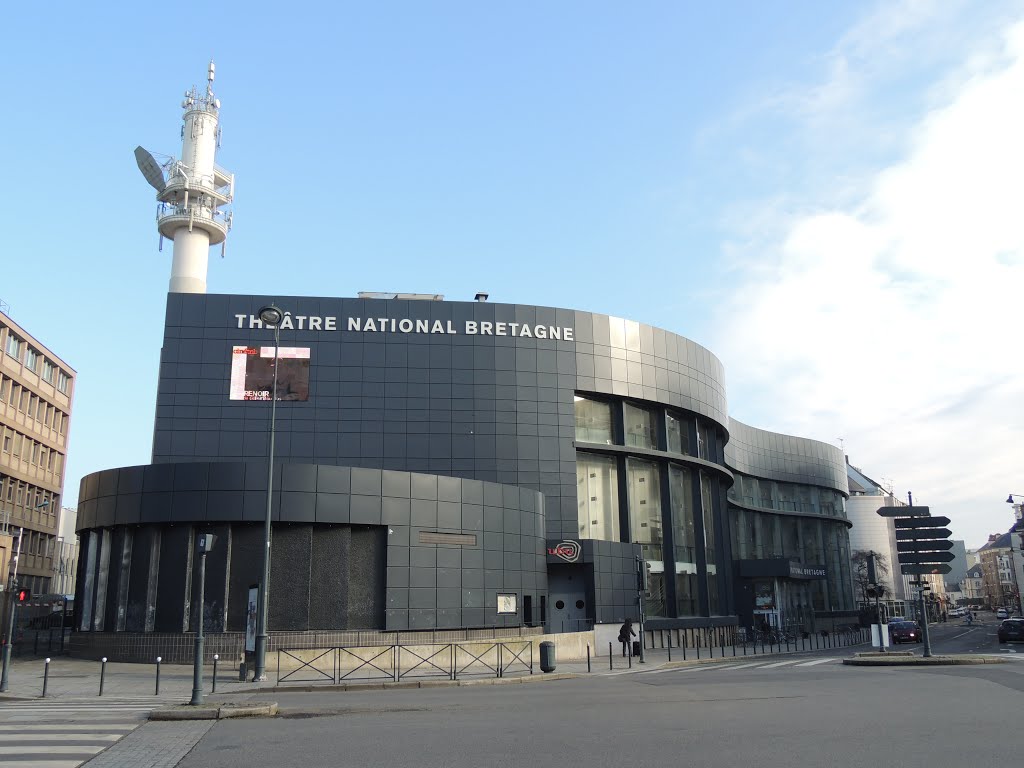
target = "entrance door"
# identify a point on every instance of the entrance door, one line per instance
(567, 599)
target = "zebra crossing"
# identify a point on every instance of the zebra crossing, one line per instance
(64, 733)
(747, 666)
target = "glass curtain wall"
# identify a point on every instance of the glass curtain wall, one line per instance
(709, 544)
(678, 434)
(597, 496)
(641, 431)
(594, 421)
(684, 540)
(644, 483)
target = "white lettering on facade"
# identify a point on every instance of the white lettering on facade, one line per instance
(408, 325)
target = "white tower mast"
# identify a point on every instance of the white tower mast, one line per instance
(192, 195)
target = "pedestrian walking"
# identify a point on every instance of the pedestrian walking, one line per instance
(626, 632)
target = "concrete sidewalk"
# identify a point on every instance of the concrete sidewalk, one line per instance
(76, 678)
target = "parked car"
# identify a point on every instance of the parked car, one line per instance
(905, 632)
(1002, 613)
(1011, 629)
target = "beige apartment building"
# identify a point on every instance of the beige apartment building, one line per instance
(36, 393)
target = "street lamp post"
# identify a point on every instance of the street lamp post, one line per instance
(270, 316)
(11, 607)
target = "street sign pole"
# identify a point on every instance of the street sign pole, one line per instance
(924, 624)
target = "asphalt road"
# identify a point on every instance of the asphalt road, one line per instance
(804, 709)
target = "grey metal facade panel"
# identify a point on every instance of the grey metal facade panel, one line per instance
(774, 456)
(483, 407)
(426, 586)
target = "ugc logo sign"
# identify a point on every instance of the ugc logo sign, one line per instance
(567, 550)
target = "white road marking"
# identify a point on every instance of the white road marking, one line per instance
(816, 661)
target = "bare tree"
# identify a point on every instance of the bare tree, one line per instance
(859, 559)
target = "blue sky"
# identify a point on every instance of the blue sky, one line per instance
(824, 194)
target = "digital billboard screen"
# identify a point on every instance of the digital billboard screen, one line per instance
(252, 373)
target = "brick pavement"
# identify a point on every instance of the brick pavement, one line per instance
(154, 745)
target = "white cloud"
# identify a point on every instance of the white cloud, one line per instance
(895, 320)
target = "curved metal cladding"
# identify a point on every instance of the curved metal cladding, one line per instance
(468, 389)
(354, 548)
(785, 458)
(788, 515)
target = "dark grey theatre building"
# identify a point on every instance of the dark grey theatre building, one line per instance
(455, 465)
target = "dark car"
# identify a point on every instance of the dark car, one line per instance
(1011, 629)
(905, 632)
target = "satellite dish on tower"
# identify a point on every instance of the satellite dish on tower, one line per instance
(150, 169)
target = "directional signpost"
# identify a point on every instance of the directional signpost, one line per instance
(922, 545)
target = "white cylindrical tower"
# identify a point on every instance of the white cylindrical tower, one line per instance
(194, 198)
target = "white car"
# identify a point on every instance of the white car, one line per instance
(1002, 613)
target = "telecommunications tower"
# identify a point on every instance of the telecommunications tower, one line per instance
(192, 192)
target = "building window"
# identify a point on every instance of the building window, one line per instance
(593, 421)
(13, 345)
(709, 543)
(678, 434)
(5, 385)
(702, 440)
(597, 497)
(684, 540)
(644, 483)
(63, 380)
(31, 358)
(48, 371)
(7, 440)
(640, 429)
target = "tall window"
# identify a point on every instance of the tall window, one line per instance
(593, 421)
(791, 538)
(678, 434)
(702, 440)
(31, 358)
(48, 370)
(684, 540)
(644, 483)
(62, 382)
(640, 427)
(709, 543)
(597, 497)
(13, 344)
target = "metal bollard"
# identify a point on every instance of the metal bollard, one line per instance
(46, 676)
(670, 645)
(609, 655)
(158, 660)
(216, 657)
(103, 672)
(215, 667)
(629, 656)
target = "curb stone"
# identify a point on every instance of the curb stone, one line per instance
(216, 712)
(920, 661)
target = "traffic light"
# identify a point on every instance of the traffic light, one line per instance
(642, 571)
(24, 595)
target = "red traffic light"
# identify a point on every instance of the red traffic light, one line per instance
(24, 595)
